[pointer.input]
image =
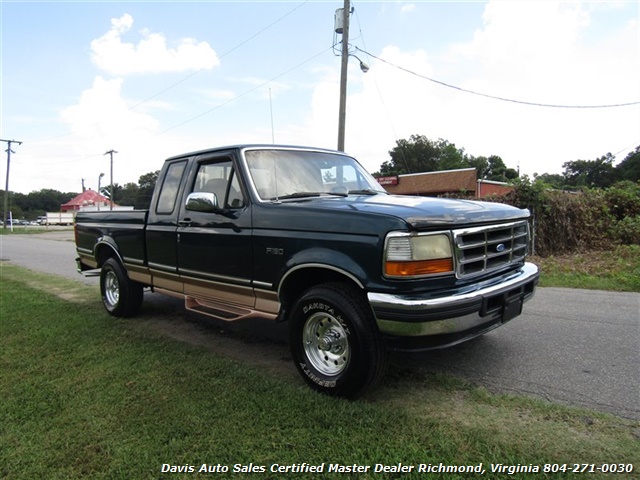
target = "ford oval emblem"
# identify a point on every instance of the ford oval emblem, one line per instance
(500, 247)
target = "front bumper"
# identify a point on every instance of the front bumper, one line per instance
(413, 323)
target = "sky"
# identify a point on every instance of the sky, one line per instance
(154, 79)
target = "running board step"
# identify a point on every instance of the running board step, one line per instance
(219, 310)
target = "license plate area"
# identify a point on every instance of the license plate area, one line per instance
(512, 308)
(505, 306)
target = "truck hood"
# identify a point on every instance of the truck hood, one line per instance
(424, 212)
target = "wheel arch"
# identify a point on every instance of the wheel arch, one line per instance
(106, 249)
(302, 277)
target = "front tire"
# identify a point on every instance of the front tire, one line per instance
(335, 342)
(121, 296)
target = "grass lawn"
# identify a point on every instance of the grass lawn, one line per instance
(617, 270)
(88, 396)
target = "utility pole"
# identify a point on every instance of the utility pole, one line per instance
(6, 188)
(110, 153)
(342, 113)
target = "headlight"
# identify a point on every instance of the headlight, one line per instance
(417, 255)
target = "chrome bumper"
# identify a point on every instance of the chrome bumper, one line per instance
(458, 317)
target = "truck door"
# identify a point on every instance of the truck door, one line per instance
(214, 233)
(161, 228)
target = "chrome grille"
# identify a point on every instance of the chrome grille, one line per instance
(484, 249)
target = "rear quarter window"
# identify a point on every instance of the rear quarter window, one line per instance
(169, 188)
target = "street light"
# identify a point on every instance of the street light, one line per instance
(363, 66)
(99, 180)
(110, 153)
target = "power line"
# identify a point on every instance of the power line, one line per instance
(221, 56)
(184, 79)
(637, 142)
(495, 97)
(220, 105)
(384, 105)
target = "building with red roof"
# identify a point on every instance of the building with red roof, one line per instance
(88, 199)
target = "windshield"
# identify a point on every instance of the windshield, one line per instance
(278, 174)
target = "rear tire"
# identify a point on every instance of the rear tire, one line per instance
(335, 342)
(121, 296)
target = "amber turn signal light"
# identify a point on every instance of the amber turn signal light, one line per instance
(422, 267)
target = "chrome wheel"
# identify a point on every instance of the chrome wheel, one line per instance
(111, 288)
(121, 296)
(335, 343)
(326, 344)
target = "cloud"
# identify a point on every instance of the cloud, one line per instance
(407, 7)
(547, 52)
(101, 120)
(150, 55)
(216, 94)
(533, 51)
(102, 112)
(383, 105)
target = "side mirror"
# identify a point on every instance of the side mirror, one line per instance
(202, 202)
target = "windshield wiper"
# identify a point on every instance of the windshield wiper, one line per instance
(308, 194)
(365, 191)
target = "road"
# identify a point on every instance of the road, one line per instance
(576, 347)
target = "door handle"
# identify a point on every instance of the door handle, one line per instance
(185, 223)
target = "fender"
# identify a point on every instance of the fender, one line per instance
(323, 258)
(102, 243)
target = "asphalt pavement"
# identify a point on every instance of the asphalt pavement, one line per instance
(576, 347)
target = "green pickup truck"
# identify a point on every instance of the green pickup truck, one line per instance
(307, 236)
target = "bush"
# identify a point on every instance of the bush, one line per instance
(570, 222)
(623, 199)
(626, 231)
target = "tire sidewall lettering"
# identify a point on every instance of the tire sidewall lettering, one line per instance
(315, 307)
(317, 380)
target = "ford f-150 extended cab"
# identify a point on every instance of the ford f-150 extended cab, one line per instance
(307, 236)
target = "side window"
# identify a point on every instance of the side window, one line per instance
(169, 189)
(220, 178)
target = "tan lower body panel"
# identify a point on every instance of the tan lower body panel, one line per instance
(218, 300)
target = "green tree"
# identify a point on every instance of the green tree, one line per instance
(598, 173)
(420, 154)
(481, 164)
(37, 203)
(629, 168)
(47, 200)
(117, 192)
(146, 185)
(129, 194)
(450, 157)
(551, 180)
(498, 171)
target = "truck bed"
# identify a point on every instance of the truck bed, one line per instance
(124, 230)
